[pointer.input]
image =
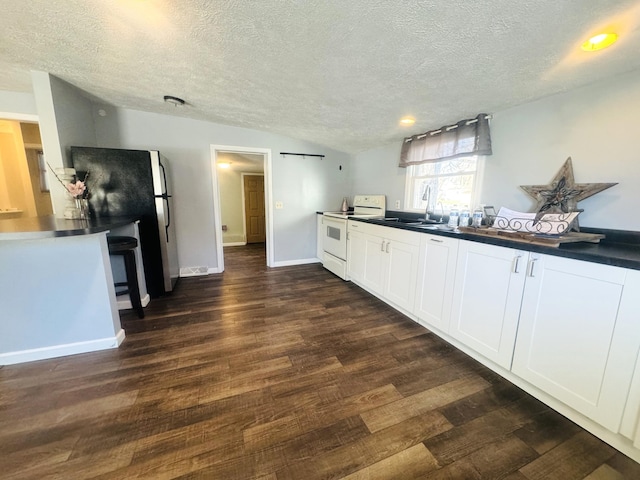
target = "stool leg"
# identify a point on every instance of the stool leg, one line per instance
(132, 280)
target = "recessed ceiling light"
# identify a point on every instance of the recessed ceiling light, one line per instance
(407, 121)
(224, 164)
(175, 101)
(600, 41)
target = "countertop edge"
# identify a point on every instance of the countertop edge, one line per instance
(34, 228)
(617, 255)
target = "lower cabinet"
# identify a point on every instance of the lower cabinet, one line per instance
(356, 253)
(578, 335)
(319, 237)
(436, 275)
(567, 328)
(384, 261)
(401, 272)
(486, 299)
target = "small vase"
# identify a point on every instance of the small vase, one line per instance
(82, 204)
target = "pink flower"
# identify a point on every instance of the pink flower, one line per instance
(76, 189)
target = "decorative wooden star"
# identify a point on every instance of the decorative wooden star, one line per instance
(563, 194)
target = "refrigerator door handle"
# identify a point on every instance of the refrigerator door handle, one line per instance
(166, 227)
(165, 196)
(164, 175)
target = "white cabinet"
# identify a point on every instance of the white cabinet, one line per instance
(565, 330)
(384, 261)
(630, 425)
(319, 237)
(486, 299)
(374, 264)
(401, 271)
(436, 275)
(577, 340)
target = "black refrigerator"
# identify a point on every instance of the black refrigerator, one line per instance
(135, 183)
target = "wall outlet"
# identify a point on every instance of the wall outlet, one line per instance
(279, 205)
(397, 203)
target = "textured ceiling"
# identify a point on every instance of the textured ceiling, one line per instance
(339, 73)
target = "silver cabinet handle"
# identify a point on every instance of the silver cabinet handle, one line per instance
(517, 264)
(382, 246)
(436, 240)
(532, 263)
(388, 246)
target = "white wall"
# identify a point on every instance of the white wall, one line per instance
(596, 125)
(304, 185)
(376, 172)
(17, 102)
(66, 119)
(74, 117)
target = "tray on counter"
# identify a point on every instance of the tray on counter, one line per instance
(537, 239)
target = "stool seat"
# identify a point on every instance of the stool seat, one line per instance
(125, 246)
(120, 244)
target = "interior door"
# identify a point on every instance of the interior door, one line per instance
(254, 208)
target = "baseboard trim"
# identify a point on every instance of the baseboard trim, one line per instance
(302, 261)
(124, 302)
(12, 358)
(234, 244)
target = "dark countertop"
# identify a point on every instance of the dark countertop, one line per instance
(619, 248)
(50, 226)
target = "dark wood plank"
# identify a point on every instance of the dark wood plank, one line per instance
(283, 373)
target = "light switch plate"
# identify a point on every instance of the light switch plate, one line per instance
(279, 205)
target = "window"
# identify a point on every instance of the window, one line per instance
(453, 183)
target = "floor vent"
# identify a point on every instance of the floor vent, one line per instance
(193, 271)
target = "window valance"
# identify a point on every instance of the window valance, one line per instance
(467, 137)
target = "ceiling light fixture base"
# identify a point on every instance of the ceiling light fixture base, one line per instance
(175, 101)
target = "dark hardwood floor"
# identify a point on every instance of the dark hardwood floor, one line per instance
(286, 373)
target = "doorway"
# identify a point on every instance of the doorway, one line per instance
(24, 187)
(242, 210)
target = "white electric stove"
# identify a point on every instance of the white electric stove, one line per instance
(335, 234)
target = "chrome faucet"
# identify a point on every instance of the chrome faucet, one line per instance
(427, 196)
(441, 211)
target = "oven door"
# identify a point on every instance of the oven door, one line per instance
(335, 236)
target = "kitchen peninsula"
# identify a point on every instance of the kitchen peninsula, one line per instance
(57, 293)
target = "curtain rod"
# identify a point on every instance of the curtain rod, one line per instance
(303, 154)
(446, 129)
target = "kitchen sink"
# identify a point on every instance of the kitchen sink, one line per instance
(410, 221)
(439, 226)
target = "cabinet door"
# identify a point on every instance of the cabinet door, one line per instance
(577, 340)
(402, 271)
(356, 255)
(436, 274)
(374, 263)
(486, 299)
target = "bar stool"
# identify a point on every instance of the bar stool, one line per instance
(125, 246)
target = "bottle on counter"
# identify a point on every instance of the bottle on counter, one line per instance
(345, 205)
(454, 216)
(465, 217)
(476, 220)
